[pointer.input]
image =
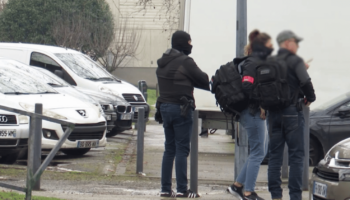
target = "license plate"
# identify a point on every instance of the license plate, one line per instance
(125, 116)
(8, 133)
(136, 109)
(87, 144)
(320, 189)
(108, 117)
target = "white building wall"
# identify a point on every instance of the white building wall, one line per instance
(155, 36)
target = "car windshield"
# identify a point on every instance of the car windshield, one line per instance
(334, 101)
(37, 73)
(15, 81)
(51, 78)
(85, 67)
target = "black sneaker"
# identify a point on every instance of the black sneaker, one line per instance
(168, 194)
(187, 194)
(253, 196)
(236, 191)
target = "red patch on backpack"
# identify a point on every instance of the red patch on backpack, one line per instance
(248, 79)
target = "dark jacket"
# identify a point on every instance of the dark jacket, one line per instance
(177, 76)
(298, 78)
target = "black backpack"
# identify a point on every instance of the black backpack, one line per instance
(271, 88)
(227, 87)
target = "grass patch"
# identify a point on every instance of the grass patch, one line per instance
(15, 196)
(151, 99)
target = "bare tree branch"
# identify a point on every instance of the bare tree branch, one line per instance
(126, 42)
(169, 10)
(82, 34)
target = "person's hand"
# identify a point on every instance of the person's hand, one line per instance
(262, 114)
(307, 103)
(307, 66)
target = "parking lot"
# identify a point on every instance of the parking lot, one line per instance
(110, 172)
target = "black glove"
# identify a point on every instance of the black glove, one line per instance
(158, 116)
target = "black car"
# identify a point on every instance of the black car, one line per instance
(329, 124)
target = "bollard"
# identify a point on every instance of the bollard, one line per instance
(306, 111)
(37, 144)
(34, 150)
(143, 88)
(194, 154)
(285, 162)
(140, 140)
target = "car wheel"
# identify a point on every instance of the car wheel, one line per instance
(314, 153)
(9, 158)
(75, 152)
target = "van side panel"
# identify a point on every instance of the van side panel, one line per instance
(15, 54)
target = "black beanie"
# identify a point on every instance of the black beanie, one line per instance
(179, 41)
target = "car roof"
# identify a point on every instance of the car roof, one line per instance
(28, 46)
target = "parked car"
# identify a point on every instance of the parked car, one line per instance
(24, 90)
(117, 112)
(64, 88)
(329, 124)
(13, 135)
(121, 107)
(331, 178)
(77, 69)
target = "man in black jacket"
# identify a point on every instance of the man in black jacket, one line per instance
(287, 125)
(177, 76)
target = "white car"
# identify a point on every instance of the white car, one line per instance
(117, 111)
(23, 90)
(77, 69)
(13, 135)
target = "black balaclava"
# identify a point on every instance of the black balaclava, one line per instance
(261, 50)
(179, 41)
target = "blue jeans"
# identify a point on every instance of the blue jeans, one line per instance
(178, 132)
(256, 130)
(286, 126)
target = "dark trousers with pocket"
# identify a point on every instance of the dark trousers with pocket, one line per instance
(286, 127)
(177, 130)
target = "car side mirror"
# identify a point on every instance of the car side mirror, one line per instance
(344, 110)
(59, 73)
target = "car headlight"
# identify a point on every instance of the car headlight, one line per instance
(109, 91)
(101, 112)
(23, 119)
(107, 107)
(47, 113)
(344, 175)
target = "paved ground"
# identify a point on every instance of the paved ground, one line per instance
(216, 163)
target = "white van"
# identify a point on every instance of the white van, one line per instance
(75, 68)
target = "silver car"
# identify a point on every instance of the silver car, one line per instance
(331, 178)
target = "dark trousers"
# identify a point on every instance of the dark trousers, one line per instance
(286, 127)
(177, 130)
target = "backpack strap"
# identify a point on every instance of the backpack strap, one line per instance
(240, 71)
(239, 62)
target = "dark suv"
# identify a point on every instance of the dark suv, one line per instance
(329, 124)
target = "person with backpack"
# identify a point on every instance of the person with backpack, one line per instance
(286, 124)
(252, 117)
(177, 75)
